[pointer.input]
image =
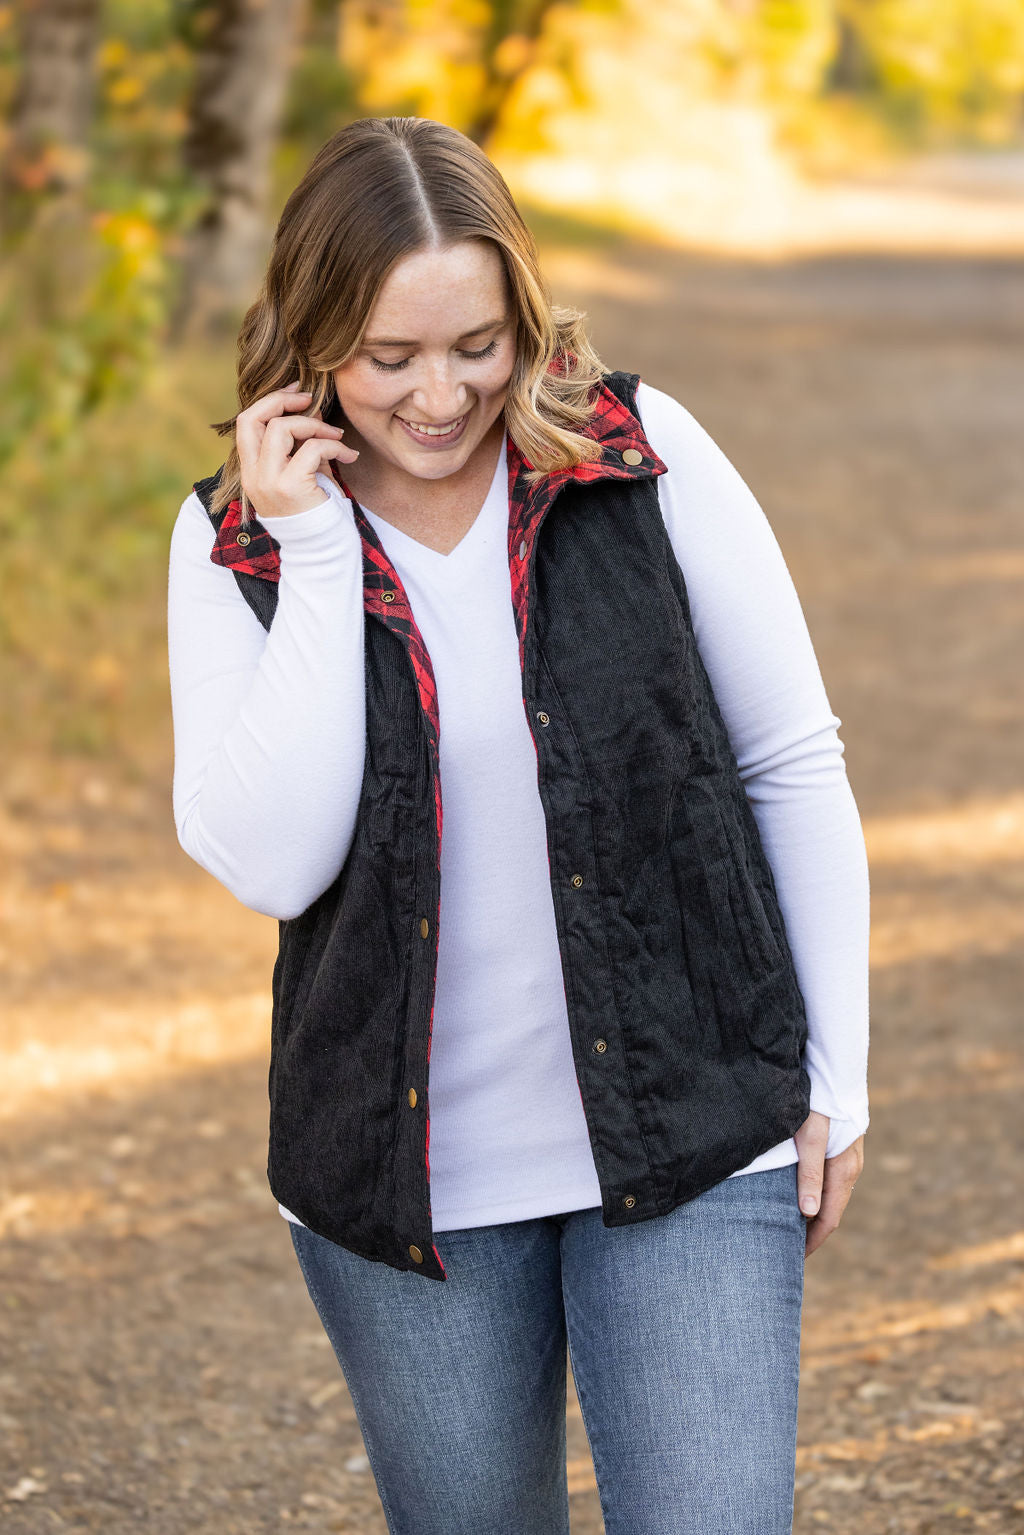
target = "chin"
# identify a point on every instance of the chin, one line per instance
(438, 471)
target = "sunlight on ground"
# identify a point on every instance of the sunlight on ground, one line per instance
(829, 1336)
(970, 835)
(59, 1043)
(1009, 1249)
(973, 565)
(69, 1048)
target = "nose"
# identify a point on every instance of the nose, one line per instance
(441, 396)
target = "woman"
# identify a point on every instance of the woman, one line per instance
(490, 683)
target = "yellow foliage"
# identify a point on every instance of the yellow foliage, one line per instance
(113, 53)
(125, 90)
(956, 63)
(421, 56)
(136, 243)
(511, 54)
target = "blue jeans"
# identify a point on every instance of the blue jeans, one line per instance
(684, 1337)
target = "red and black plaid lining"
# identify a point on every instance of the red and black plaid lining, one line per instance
(256, 556)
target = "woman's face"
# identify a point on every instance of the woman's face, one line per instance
(439, 349)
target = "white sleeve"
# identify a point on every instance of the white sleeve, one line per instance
(753, 640)
(269, 727)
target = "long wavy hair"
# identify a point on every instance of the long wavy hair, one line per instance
(380, 189)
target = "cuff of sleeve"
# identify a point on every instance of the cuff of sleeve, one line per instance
(316, 520)
(843, 1133)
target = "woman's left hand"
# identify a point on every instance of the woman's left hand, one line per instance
(826, 1181)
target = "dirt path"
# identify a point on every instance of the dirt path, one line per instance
(161, 1366)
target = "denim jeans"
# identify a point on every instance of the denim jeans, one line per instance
(683, 1333)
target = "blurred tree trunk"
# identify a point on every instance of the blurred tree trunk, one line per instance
(508, 51)
(244, 56)
(851, 68)
(53, 100)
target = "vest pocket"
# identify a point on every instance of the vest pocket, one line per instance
(741, 841)
(756, 935)
(301, 945)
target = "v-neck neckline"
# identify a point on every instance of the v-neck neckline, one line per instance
(388, 530)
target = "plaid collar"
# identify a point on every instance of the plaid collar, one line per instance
(625, 455)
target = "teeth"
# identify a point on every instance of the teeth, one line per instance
(433, 431)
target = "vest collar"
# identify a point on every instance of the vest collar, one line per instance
(618, 432)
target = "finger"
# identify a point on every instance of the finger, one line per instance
(812, 1143)
(817, 1233)
(835, 1197)
(841, 1173)
(312, 455)
(251, 423)
(280, 438)
(810, 1172)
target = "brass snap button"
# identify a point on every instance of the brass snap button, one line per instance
(632, 456)
(424, 927)
(577, 880)
(387, 596)
(243, 539)
(412, 1097)
(414, 1253)
(522, 549)
(545, 719)
(629, 1201)
(600, 1045)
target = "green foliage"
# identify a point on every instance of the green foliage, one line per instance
(83, 300)
(145, 71)
(85, 528)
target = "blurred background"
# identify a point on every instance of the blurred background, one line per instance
(805, 219)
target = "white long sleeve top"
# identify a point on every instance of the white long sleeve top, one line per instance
(269, 729)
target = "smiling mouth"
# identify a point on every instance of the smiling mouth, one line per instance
(444, 430)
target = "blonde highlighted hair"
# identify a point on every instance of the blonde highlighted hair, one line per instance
(380, 189)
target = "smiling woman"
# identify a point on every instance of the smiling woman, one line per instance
(503, 704)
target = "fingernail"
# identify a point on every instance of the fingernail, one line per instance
(809, 1205)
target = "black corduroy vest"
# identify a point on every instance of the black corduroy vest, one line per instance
(686, 1019)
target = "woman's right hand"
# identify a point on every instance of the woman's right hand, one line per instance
(278, 481)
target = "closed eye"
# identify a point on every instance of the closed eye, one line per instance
(394, 367)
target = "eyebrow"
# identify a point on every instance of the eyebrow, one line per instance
(477, 330)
